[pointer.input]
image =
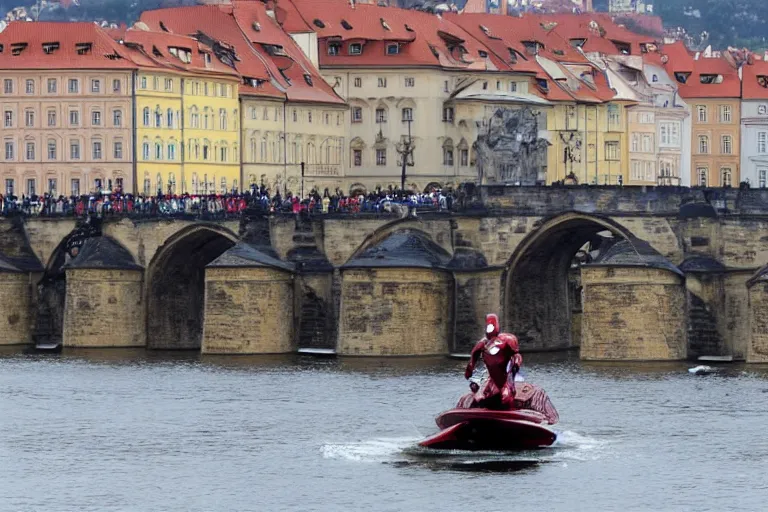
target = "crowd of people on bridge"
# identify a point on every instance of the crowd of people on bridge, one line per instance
(256, 199)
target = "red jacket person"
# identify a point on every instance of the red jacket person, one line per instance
(500, 352)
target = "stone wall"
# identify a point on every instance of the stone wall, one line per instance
(104, 308)
(15, 319)
(478, 293)
(632, 313)
(395, 312)
(758, 322)
(248, 311)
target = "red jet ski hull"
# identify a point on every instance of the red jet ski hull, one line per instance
(489, 430)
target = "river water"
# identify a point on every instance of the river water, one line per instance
(136, 431)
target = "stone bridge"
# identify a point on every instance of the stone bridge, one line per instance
(622, 273)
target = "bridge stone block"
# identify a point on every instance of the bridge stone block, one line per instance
(15, 309)
(633, 313)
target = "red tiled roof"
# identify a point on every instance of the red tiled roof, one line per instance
(156, 53)
(751, 89)
(424, 39)
(679, 60)
(104, 52)
(598, 29)
(295, 65)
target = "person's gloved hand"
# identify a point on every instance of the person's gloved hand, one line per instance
(474, 387)
(468, 371)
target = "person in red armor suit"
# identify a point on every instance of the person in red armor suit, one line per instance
(501, 355)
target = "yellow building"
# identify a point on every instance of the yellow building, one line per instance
(187, 117)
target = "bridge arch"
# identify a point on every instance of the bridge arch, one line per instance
(175, 285)
(437, 231)
(542, 287)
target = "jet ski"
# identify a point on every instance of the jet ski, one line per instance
(480, 423)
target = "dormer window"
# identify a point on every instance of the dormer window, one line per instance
(183, 54)
(355, 49)
(384, 24)
(762, 81)
(83, 48)
(49, 48)
(623, 48)
(318, 23)
(512, 56)
(409, 29)
(393, 49)
(308, 79)
(447, 114)
(207, 59)
(532, 47)
(578, 43)
(543, 84)
(482, 53)
(256, 26)
(682, 77)
(485, 30)
(17, 48)
(711, 79)
(334, 48)
(274, 50)
(655, 78)
(345, 25)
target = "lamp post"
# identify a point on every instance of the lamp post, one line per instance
(302, 180)
(405, 150)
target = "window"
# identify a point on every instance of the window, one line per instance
(31, 187)
(117, 118)
(51, 118)
(448, 156)
(52, 186)
(51, 150)
(158, 118)
(95, 118)
(702, 174)
(725, 177)
(762, 177)
(358, 82)
(357, 157)
(669, 134)
(355, 49)
(726, 145)
(205, 151)
(30, 87)
(702, 113)
(74, 118)
(393, 49)
(118, 151)
(223, 119)
(53, 86)
(448, 114)
(334, 48)
(97, 184)
(381, 157)
(635, 143)
(725, 114)
(158, 151)
(762, 142)
(382, 82)
(29, 118)
(75, 187)
(614, 116)
(445, 86)
(145, 151)
(410, 81)
(381, 115)
(8, 119)
(74, 150)
(309, 116)
(96, 150)
(169, 118)
(357, 115)
(116, 85)
(408, 114)
(143, 83)
(703, 144)
(30, 151)
(223, 153)
(611, 150)
(95, 85)
(647, 143)
(155, 83)
(9, 150)
(169, 84)
(74, 86)
(512, 86)
(8, 86)
(464, 157)
(172, 151)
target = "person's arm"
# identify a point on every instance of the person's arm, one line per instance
(473, 357)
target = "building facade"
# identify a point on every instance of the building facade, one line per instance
(67, 110)
(754, 124)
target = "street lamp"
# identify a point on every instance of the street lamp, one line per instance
(405, 150)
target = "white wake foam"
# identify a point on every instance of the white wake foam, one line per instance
(374, 450)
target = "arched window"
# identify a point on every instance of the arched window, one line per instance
(223, 153)
(205, 118)
(311, 154)
(264, 149)
(235, 120)
(253, 150)
(169, 118)
(158, 150)
(171, 151)
(194, 117)
(172, 183)
(147, 184)
(197, 149)
(222, 119)
(158, 118)
(145, 151)
(159, 184)
(206, 150)
(223, 185)
(448, 152)
(146, 116)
